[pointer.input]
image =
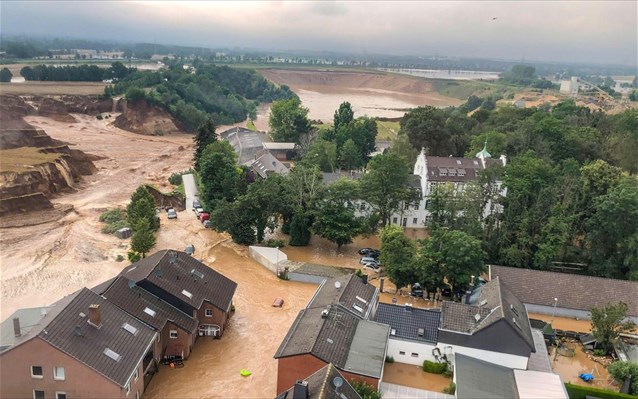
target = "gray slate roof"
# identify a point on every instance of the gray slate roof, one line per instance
(477, 379)
(405, 322)
(321, 386)
(494, 302)
(134, 299)
(440, 168)
(573, 291)
(539, 360)
(90, 346)
(353, 292)
(341, 338)
(267, 164)
(172, 271)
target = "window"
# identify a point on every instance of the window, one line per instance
(416, 207)
(209, 312)
(38, 394)
(406, 206)
(401, 353)
(415, 220)
(394, 220)
(173, 334)
(58, 373)
(415, 354)
(36, 371)
(137, 374)
(60, 395)
(427, 203)
(458, 162)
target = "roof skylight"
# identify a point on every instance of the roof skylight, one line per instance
(112, 354)
(187, 294)
(150, 312)
(130, 328)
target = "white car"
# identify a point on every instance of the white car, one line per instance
(172, 214)
(198, 211)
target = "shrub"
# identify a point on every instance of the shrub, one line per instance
(450, 389)
(434, 368)
(389, 359)
(580, 392)
(600, 352)
(111, 228)
(175, 179)
(133, 256)
(448, 374)
(364, 390)
(113, 215)
(119, 258)
(623, 370)
(99, 117)
(275, 243)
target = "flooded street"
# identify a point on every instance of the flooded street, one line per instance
(324, 252)
(570, 367)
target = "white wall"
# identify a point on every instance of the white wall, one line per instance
(424, 351)
(503, 359)
(267, 257)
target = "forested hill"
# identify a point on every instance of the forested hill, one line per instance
(228, 95)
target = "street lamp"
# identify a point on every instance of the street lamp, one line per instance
(554, 309)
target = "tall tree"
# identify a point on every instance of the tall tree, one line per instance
(335, 215)
(143, 239)
(323, 154)
(288, 120)
(343, 115)
(398, 257)
(425, 127)
(401, 146)
(609, 322)
(350, 156)
(304, 185)
(5, 75)
(220, 177)
(141, 209)
(452, 256)
(362, 131)
(385, 185)
(205, 135)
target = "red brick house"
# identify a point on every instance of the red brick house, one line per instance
(80, 347)
(188, 285)
(331, 333)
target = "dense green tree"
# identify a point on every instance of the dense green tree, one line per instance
(134, 94)
(398, 257)
(494, 141)
(220, 177)
(385, 185)
(402, 147)
(609, 322)
(288, 120)
(452, 256)
(205, 135)
(5, 75)
(343, 115)
(623, 370)
(300, 226)
(335, 214)
(323, 154)
(425, 127)
(141, 210)
(350, 156)
(304, 187)
(362, 131)
(143, 239)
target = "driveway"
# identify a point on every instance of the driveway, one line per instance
(190, 189)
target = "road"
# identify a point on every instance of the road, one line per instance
(190, 189)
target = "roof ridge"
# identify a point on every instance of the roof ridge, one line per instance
(325, 381)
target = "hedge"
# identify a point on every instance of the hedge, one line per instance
(434, 368)
(579, 392)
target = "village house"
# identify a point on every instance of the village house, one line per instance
(177, 330)
(566, 295)
(80, 347)
(327, 383)
(265, 165)
(333, 329)
(188, 285)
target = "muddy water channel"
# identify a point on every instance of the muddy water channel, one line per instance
(254, 334)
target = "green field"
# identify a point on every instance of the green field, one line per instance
(387, 130)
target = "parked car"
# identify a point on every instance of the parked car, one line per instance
(172, 214)
(196, 204)
(198, 211)
(208, 224)
(371, 252)
(368, 259)
(190, 249)
(372, 266)
(204, 216)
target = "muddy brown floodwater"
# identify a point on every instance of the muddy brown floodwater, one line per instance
(570, 367)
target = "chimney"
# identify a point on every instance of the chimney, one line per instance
(16, 327)
(94, 316)
(300, 390)
(381, 284)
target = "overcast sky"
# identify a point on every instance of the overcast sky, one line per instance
(571, 31)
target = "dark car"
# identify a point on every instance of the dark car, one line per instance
(190, 249)
(371, 252)
(372, 266)
(208, 224)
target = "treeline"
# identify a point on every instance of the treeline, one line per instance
(79, 73)
(572, 191)
(192, 95)
(525, 75)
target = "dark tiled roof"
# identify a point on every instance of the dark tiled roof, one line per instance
(440, 168)
(333, 339)
(494, 302)
(477, 379)
(573, 291)
(321, 386)
(267, 164)
(89, 348)
(176, 271)
(134, 300)
(352, 291)
(406, 322)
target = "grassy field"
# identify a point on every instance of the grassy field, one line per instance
(22, 159)
(387, 130)
(53, 88)
(462, 89)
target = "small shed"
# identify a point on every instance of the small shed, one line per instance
(123, 233)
